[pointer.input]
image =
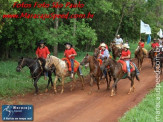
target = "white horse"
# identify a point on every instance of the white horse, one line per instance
(61, 69)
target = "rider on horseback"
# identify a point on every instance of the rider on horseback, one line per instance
(42, 52)
(141, 44)
(70, 54)
(155, 44)
(118, 40)
(104, 51)
(126, 55)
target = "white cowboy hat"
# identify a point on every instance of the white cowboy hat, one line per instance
(103, 45)
(125, 46)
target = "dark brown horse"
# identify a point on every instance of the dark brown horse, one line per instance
(36, 67)
(139, 55)
(117, 74)
(116, 52)
(95, 71)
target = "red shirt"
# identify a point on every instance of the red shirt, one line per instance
(42, 52)
(141, 44)
(125, 53)
(70, 52)
(155, 45)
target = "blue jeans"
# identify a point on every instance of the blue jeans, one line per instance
(128, 65)
(72, 65)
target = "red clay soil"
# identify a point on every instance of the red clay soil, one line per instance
(81, 106)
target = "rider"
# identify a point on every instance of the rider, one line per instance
(126, 55)
(155, 44)
(70, 54)
(104, 51)
(42, 52)
(141, 44)
(118, 41)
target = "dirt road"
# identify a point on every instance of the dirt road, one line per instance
(81, 106)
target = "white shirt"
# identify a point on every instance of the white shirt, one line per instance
(118, 41)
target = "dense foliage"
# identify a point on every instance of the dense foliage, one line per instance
(111, 17)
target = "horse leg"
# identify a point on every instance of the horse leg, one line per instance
(108, 82)
(132, 88)
(81, 79)
(55, 81)
(63, 85)
(74, 83)
(35, 85)
(91, 83)
(46, 90)
(97, 79)
(114, 87)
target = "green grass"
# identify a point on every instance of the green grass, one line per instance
(14, 83)
(146, 110)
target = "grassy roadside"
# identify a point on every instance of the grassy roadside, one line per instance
(13, 83)
(146, 110)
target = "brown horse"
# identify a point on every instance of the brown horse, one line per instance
(117, 74)
(61, 69)
(95, 71)
(116, 52)
(139, 55)
(152, 55)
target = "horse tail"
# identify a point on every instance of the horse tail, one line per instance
(137, 78)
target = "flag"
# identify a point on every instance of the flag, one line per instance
(145, 28)
(149, 39)
(160, 33)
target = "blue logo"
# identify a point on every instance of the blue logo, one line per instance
(17, 112)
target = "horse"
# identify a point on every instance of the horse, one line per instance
(151, 55)
(95, 71)
(62, 71)
(139, 55)
(116, 52)
(36, 70)
(117, 74)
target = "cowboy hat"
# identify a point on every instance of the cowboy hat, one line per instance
(125, 46)
(103, 45)
(67, 43)
(41, 42)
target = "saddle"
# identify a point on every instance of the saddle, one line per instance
(100, 61)
(76, 64)
(124, 66)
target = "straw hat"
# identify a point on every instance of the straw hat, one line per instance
(103, 45)
(125, 46)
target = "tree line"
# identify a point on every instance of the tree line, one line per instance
(111, 17)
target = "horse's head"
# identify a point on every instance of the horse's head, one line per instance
(49, 63)
(85, 60)
(21, 64)
(96, 52)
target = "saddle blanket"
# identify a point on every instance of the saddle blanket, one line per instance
(124, 66)
(76, 64)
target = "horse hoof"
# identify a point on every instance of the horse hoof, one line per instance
(61, 92)
(36, 94)
(46, 90)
